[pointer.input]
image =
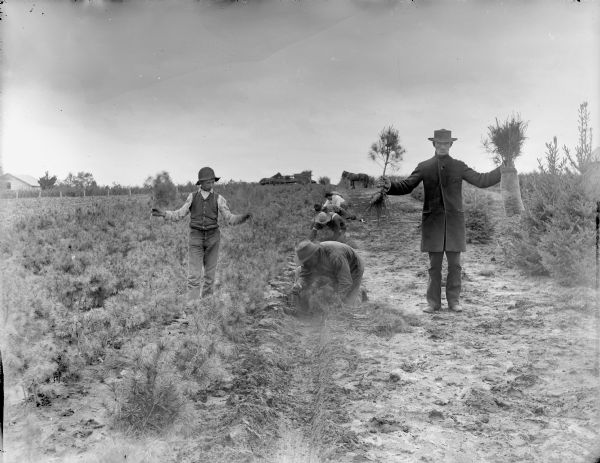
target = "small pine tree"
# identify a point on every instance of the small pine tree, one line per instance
(387, 149)
(583, 158)
(554, 164)
(46, 182)
(164, 191)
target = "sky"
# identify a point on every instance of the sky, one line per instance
(127, 89)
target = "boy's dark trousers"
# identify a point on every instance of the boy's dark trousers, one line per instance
(203, 254)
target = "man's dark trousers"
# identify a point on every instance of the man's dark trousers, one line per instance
(453, 281)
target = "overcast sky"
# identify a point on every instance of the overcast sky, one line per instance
(127, 89)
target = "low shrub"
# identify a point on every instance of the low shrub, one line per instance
(386, 321)
(565, 252)
(479, 207)
(479, 227)
(148, 399)
(555, 234)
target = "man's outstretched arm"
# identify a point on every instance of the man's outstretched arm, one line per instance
(482, 180)
(402, 187)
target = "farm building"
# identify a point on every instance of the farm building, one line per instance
(18, 182)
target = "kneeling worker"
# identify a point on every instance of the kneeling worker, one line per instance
(331, 221)
(334, 202)
(328, 262)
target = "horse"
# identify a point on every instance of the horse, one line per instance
(352, 178)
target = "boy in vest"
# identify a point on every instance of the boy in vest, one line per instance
(205, 206)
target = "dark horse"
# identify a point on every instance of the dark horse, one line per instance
(364, 178)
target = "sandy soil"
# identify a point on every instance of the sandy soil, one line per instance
(509, 379)
(512, 378)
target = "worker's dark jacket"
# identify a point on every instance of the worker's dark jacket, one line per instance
(443, 221)
(337, 225)
(337, 263)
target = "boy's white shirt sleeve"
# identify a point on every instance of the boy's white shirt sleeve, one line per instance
(182, 212)
(228, 216)
(224, 212)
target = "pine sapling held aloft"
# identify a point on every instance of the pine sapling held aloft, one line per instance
(388, 151)
(504, 142)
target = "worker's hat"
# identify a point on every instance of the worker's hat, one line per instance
(305, 250)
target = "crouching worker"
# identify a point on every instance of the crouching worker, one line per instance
(328, 263)
(205, 207)
(330, 221)
(335, 202)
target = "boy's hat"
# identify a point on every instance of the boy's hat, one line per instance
(206, 173)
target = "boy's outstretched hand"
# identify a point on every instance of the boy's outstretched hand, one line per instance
(157, 212)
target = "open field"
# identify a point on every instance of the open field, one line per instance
(91, 288)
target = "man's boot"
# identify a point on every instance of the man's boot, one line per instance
(432, 308)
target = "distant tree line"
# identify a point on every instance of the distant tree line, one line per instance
(160, 186)
(83, 184)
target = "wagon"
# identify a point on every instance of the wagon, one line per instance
(278, 179)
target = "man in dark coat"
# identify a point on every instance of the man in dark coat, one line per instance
(443, 220)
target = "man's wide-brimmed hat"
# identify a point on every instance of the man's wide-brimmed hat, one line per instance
(206, 173)
(442, 135)
(322, 218)
(305, 250)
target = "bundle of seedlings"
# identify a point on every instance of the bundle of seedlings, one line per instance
(378, 203)
(386, 151)
(504, 142)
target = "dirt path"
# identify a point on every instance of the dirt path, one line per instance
(509, 379)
